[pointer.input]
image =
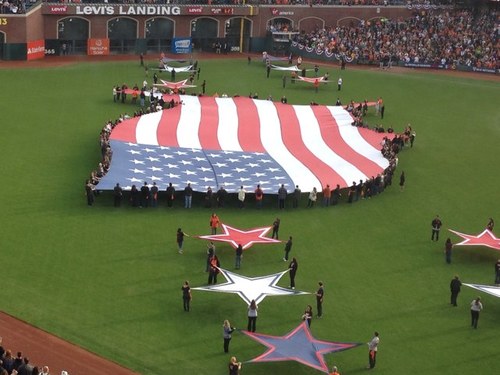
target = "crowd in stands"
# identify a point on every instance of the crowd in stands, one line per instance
(455, 37)
(13, 6)
(18, 364)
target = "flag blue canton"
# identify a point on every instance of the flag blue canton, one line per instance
(134, 164)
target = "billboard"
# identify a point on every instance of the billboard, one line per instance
(182, 45)
(35, 49)
(98, 47)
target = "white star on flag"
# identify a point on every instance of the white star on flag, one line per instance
(251, 288)
(493, 290)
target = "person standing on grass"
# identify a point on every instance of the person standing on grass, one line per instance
(313, 195)
(241, 197)
(296, 196)
(307, 316)
(170, 195)
(293, 267)
(402, 180)
(288, 247)
(320, 293)
(252, 316)
(186, 295)
(188, 195)
(475, 308)
(214, 223)
(372, 350)
(234, 366)
(455, 286)
(282, 193)
(210, 254)
(213, 270)
(227, 330)
(180, 239)
(497, 272)
(259, 196)
(276, 228)
(436, 227)
(239, 255)
(447, 250)
(117, 195)
(490, 225)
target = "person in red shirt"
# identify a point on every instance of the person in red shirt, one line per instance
(259, 196)
(327, 195)
(214, 223)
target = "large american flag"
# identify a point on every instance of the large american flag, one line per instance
(239, 141)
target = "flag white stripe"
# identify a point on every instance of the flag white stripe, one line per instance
(147, 127)
(354, 139)
(227, 130)
(311, 135)
(271, 138)
(189, 122)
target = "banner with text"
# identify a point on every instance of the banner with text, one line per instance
(98, 47)
(182, 45)
(35, 49)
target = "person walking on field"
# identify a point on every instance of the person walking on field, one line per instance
(372, 350)
(475, 308)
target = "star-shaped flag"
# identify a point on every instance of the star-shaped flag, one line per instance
(493, 290)
(251, 288)
(299, 345)
(486, 238)
(246, 238)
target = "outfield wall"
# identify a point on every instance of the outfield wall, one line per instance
(245, 25)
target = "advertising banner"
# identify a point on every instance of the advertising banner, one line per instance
(98, 47)
(35, 49)
(182, 45)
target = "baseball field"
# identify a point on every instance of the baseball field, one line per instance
(109, 279)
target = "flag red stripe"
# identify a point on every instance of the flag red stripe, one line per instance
(293, 141)
(209, 123)
(332, 137)
(167, 129)
(126, 130)
(249, 125)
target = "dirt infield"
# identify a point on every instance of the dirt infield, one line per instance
(42, 348)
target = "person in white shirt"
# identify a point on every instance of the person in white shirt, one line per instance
(373, 348)
(241, 196)
(475, 308)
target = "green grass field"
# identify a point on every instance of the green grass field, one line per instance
(109, 279)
